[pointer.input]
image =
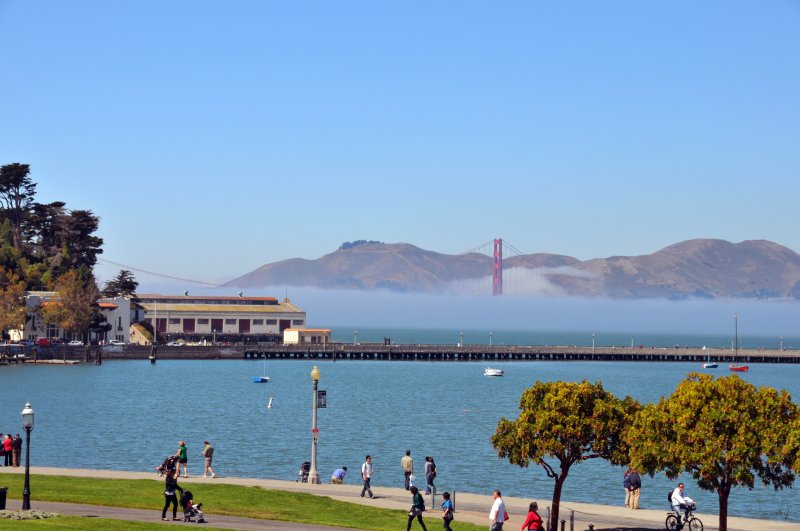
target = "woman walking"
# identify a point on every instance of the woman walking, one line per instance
(417, 506)
(533, 521)
(430, 475)
(170, 486)
(447, 512)
(182, 459)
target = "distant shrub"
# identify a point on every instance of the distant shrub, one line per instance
(350, 245)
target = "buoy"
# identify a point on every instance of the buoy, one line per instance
(269, 404)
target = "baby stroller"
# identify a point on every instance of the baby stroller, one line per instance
(302, 474)
(168, 464)
(190, 509)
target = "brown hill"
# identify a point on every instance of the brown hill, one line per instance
(696, 268)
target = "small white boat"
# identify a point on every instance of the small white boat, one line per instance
(264, 378)
(488, 371)
(710, 365)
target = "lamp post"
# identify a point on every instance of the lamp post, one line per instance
(313, 475)
(27, 424)
(354, 337)
(490, 338)
(461, 339)
(592, 341)
(781, 338)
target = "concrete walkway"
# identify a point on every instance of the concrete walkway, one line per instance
(472, 508)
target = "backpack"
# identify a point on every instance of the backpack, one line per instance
(669, 497)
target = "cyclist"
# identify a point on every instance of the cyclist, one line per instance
(680, 501)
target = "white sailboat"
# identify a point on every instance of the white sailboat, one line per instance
(264, 378)
(735, 366)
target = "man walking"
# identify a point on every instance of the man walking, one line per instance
(498, 513)
(208, 455)
(635, 488)
(366, 475)
(407, 464)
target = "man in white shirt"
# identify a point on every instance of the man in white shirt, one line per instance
(366, 475)
(679, 501)
(498, 513)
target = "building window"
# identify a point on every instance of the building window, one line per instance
(258, 322)
(298, 322)
(272, 322)
(202, 321)
(230, 321)
(174, 321)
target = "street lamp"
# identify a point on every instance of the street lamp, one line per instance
(490, 338)
(27, 424)
(354, 337)
(313, 475)
(592, 341)
(781, 338)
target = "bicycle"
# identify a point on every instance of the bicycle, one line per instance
(691, 520)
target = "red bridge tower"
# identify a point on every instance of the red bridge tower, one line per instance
(497, 268)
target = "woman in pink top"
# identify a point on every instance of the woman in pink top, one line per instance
(533, 521)
(8, 449)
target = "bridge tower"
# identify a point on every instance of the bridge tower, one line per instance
(497, 268)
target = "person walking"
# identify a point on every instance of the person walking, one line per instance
(497, 515)
(417, 508)
(430, 475)
(337, 478)
(170, 486)
(182, 459)
(208, 456)
(533, 520)
(635, 488)
(407, 464)
(366, 475)
(447, 511)
(626, 484)
(17, 449)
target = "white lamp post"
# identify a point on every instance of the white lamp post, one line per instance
(313, 475)
(27, 424)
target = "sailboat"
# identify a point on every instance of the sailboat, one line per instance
(264, 378)
(710, 364)
(736, 366)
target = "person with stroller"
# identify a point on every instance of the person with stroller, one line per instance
(170, 486)
(417, 508)
(190, 510)
(679, 501)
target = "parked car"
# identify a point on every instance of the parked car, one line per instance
(75, 343)
(116, 343)
(174, 344)
(44, 342)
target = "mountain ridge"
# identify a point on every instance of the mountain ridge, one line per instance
(706, 268)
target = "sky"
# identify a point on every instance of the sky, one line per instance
(214, 137)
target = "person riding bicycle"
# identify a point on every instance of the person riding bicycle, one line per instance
(679, 501)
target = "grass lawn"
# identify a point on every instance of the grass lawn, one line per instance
(232, 500)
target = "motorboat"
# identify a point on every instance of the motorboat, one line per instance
(488, 371)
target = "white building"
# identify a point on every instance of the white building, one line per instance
(117, 312)
(307, 336)
(208, 316)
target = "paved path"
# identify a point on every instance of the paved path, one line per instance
(472, 508)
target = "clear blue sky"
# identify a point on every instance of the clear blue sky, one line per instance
(214, 137)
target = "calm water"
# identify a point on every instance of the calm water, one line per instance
(129, 415)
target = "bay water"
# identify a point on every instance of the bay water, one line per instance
(130, 415)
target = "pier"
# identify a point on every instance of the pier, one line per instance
(429, 353)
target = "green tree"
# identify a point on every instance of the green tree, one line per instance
(122, 285)
(561, 424)
(12, 301)
(16, 196)
(75, 308)
(725, 432)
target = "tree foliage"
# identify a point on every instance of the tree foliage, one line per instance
(40, 242)
(75, 310)
(725, 432)
(561, 424)
(122, 285)
(12, 301)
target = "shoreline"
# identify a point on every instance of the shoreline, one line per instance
(470, 507)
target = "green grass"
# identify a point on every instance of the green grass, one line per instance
(221, 499)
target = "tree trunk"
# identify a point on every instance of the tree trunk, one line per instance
(553, 525)
(723, 492)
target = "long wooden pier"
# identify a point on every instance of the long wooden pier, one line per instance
(516, 353)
